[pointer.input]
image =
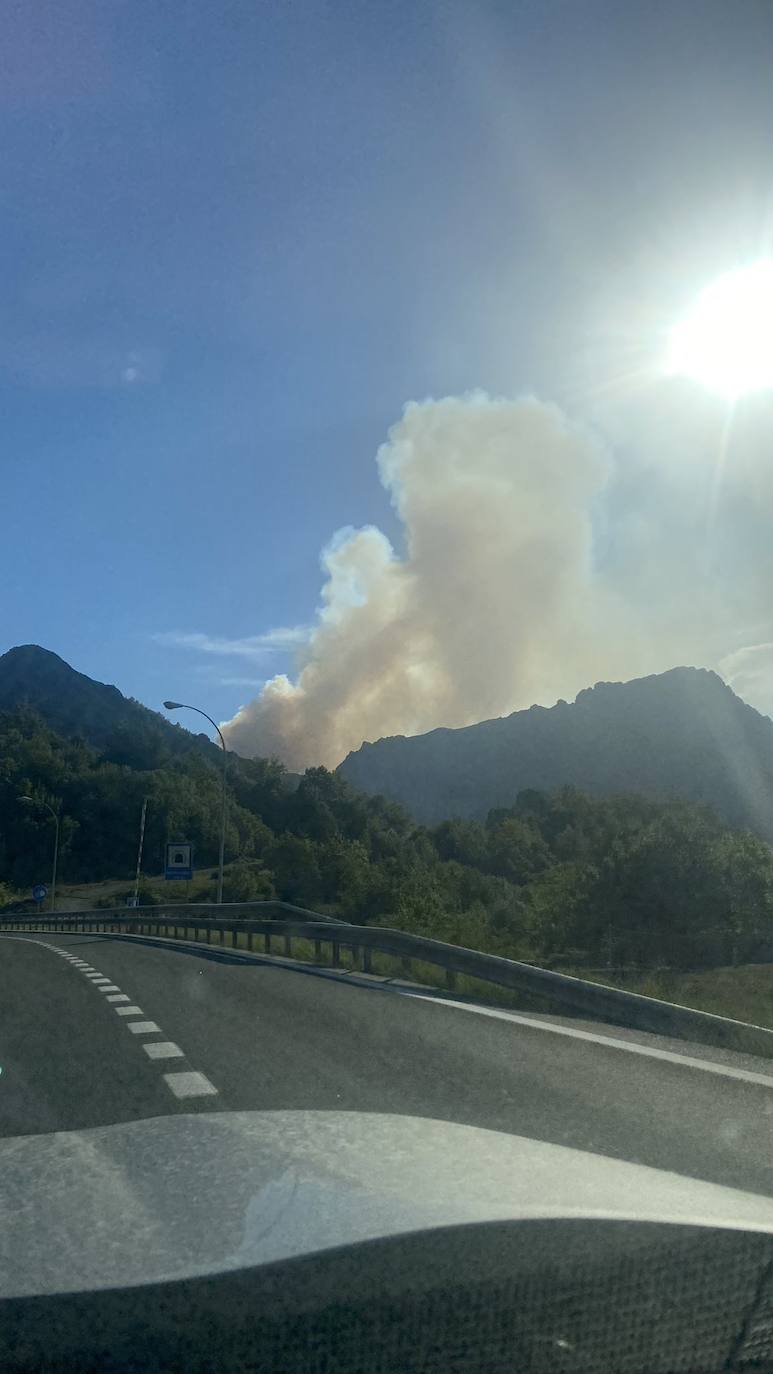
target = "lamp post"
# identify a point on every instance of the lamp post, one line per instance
(181, 706)
(34, 801)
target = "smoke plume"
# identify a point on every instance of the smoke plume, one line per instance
(491, 605)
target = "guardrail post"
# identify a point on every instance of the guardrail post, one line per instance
(318, 951)
(250, 940)
(288, 945)
(267, 942)
(367, 959)
(233, 938)
(450, 980)
(405, 965)
(335, 958)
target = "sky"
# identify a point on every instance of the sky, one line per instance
(332, 344)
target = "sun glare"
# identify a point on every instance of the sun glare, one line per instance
(726, 340)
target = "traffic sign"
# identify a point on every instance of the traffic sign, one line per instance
(179, 861)
(39, 892)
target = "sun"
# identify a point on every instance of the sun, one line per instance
(726, 341)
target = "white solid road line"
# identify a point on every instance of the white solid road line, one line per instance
(189, 1084)
(630, 1046)
(143, 1027)
(163, 1049)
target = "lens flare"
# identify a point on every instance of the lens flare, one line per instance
(726, 341)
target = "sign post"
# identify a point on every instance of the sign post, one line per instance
(136, 901)
(178, 862)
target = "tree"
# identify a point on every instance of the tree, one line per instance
(294, 863)
(463, 841)
(345, 872)
(245, 882)
(516, 850)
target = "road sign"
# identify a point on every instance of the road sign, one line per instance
(179, 861)
(39, 892)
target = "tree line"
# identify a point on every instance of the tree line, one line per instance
(562, 879)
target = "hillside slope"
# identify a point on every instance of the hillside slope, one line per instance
(678, 734)
(74, 705)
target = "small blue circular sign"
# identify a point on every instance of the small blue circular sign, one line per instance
(39, 892)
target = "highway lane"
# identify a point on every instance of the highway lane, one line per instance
(63, 1063)
(245, 1033)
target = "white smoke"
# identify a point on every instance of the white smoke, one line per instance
(493, 604)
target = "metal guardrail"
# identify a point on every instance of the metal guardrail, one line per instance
(273, 908)
(559, 992)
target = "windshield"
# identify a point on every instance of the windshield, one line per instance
(386, 654)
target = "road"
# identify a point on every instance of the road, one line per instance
(96, 1029)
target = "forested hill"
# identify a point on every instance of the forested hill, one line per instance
(680, 734)
(625, 879)
(75, 706)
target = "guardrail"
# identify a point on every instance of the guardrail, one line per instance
(273, 908)
(559, 993)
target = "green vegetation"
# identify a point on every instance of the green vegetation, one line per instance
(744, 993)
(561, 879)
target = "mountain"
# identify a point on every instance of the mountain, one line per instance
(681, 734)
(73, 705)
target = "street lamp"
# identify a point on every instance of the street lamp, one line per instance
(181, 706)
(35, 801)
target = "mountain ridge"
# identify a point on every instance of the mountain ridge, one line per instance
(679, 734)
(77, 706)
(682, 733)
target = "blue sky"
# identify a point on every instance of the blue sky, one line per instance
(238, 238)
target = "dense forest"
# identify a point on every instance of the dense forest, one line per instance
(560, 878)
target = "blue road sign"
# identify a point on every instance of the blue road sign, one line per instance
(39, 892)
(179, 861)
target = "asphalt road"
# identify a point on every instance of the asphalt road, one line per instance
(96, 1029)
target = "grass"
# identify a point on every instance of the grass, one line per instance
(202, 887)
(744, 993)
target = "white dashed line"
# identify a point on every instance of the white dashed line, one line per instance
(163, 1049)
(189, 1084)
